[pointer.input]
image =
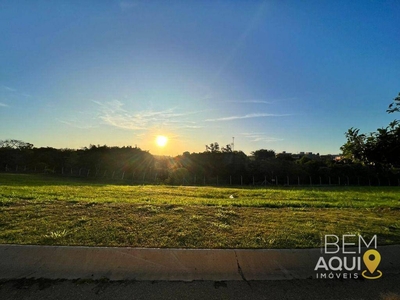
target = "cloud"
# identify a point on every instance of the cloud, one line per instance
(250, 101)
(76, 124)
(248, 116)
(257, 101)
(8, 88)
(126, 5)
(260, 137)
(113, 113)
(3, 105)
(192, 127)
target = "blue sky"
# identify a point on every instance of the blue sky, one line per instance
(283, 75)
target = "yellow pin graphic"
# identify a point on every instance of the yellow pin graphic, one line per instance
(371, 259)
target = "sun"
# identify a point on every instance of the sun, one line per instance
(161, 140)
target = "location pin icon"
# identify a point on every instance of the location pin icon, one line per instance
(371, 259)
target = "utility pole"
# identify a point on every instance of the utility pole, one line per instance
(233, 143)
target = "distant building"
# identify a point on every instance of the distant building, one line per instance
(310, 155)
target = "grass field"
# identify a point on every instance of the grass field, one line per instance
(60, 211)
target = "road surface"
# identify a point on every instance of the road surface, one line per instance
(387, 288)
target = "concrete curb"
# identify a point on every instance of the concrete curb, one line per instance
(55, 262)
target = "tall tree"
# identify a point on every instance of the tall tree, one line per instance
(354, 148)
(227, 149)
(379, 148)
(213, 147)
(395, 106)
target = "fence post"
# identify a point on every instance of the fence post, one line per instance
(310, 180)
(339, 179)
(123, 175)
(87, 175)
(320, 180)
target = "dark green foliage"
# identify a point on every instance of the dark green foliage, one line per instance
(395, 106)
(214, 167)
(380, 148)
(263, 154)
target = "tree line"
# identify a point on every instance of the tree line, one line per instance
(372, 159)
(262, 167)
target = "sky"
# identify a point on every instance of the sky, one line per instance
(282, 75)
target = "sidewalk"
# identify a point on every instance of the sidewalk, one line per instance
(55, 262)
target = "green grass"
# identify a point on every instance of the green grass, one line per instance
(61, 211)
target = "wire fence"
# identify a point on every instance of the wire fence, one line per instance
(152, 176)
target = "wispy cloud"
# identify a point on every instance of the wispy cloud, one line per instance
(113, 113)
(250, 101)
(7, 88)
(126, 5)
(248, 116)
(192, 127)
(259, 137)
(258, 101)
(77, 124)
(3, 105)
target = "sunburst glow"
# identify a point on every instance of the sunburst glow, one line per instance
(161, 140)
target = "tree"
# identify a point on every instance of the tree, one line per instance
(380, 148)
(395, 106)
(227, 149)
(263, 154)
(354, 148)
(383, 146)
(15, 144)
(213, 147)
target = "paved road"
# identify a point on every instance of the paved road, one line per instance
(387, 288)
